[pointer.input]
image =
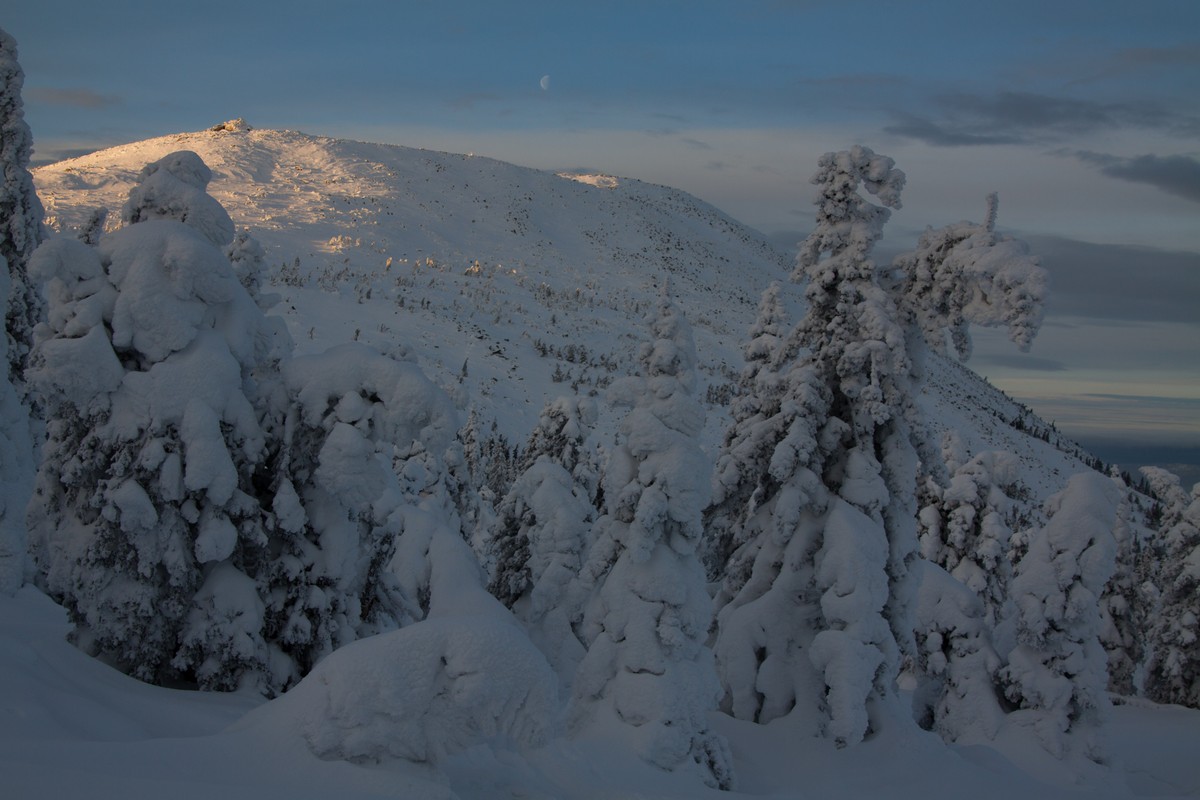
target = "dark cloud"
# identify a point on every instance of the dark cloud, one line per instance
(1119, 282)
(1024, 362)
(75, 98)
(911, 126)
(1177, 175)
(1024, 117)
(1146, 58)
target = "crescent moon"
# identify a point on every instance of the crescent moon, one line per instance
(545, 82)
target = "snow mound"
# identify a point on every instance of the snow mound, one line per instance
(422, 693)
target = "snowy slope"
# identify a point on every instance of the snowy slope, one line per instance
(509, 286)
(487, 271)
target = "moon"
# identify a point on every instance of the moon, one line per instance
(545, 82)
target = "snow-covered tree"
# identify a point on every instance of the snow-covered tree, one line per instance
(757, 424)
(1122, 606)
(21, 229)
(20, 232)
(542, 534)
(543, 526)
(956, 664)
(966, 274)
(16, 471)
(966, 532)
(1056, 670)
(1172, 672)
(359, 428)
(816, 606)
(646, 665)
(561, 435)
(148, 525)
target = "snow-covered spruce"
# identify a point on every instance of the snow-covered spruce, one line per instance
(956, 664)
(16, 471)
(757, 425)
(542, 533)
(1055, 673)
(361, 440)
(1124, 606)
(21, 229)
(816, 604)
(20, 232)
(966, 531)
(646, 665)
(1172, 672)
(147, 524)
(965, 274)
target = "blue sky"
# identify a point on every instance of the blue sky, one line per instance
(1084, 116)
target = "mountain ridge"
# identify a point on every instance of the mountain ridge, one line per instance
(509, 285)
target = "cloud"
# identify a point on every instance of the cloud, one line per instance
(1119, 282)
(1145, 58)
(1177, 175)
(1024, 362)
(911, 126)
(1026, 118)
(75, 98)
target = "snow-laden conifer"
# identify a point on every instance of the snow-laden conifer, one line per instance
(956, 664)
(741, 468)
(21, 228)
(965, 274)
(966, 529)
(363, 437)
(1123, 606)
(16, 470)
(148, 527)
(542, 531)
(646, 665)
(1172, 672)
(20, 232)
(1056, 672)
(815, 606)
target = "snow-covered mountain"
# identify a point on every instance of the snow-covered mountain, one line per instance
(508, 285)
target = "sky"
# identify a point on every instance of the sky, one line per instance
(1084, 115)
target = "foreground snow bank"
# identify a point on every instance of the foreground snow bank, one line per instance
(421, 693)
(465, 675)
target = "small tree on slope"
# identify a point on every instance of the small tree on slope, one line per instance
(742, 465)
(538, 544)
(1056, 672)
(1122, 607)
(646, 665)
(20, 232)
(966, 532)
(1173, 650)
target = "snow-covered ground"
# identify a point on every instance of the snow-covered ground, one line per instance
(508, 287)
(71, 726)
